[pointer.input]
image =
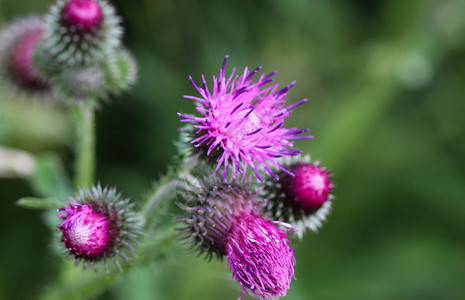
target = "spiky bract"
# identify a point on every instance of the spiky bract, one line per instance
(241, 123)
(120, 70)
(98, 225)
(212, 209)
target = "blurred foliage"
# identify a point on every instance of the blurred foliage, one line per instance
(385, 81)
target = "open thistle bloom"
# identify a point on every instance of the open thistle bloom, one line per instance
(78, 33)
(241, 122)
(17, 44)
(303, 199)
(224, 219)
(98, 225)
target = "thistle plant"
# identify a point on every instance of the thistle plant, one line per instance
(240, 187)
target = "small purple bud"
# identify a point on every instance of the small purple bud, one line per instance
(308, 189)
(98, 225)
(84, 14)
(85, 232)
(301, 197)
(21, 64)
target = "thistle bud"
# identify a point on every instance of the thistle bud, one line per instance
(18, 42)
(79, 33)
(98, 225)
(224, 219)
(302, 198)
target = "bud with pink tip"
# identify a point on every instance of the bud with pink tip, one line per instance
(302, 198)
(79, 33)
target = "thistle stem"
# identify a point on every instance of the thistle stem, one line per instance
(84, 117)
(74, 283)
(166, 187)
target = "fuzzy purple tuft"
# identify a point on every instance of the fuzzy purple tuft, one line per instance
(84, 14)
(259, 257)
(86, 232)
(241, 123)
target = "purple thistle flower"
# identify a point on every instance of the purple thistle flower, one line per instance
(303, 199)
(85, 232)
(98, 225)
(259, 257)
(241, 122)
(224, 219)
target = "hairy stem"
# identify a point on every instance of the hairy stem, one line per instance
(84, 117)
(166, 187)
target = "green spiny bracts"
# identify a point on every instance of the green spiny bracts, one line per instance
(120, 71)
(211, 207)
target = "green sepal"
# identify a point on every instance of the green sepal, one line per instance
(39, 203)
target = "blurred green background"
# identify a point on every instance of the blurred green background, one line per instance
(386, 83)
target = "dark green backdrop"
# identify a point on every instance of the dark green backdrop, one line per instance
(385, 81)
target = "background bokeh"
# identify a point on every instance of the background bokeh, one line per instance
(386, 83)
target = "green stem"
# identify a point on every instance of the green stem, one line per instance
(84, 117)
(166, 187)
(75, 283)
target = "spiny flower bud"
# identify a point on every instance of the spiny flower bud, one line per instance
(79, 33)
(120, 70)
(17, 44)
(241, 123)
(98, 225)
(224, 219)
(302, 198)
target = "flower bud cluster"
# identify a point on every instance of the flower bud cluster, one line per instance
(240, 126)
(74, 51)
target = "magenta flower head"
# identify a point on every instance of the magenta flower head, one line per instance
(224, 220)
(79, 33)
(303, 199)
(97, 225)
(18, 42)
(241, 123)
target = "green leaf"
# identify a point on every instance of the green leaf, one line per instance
(50, 179)
(39, 203)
